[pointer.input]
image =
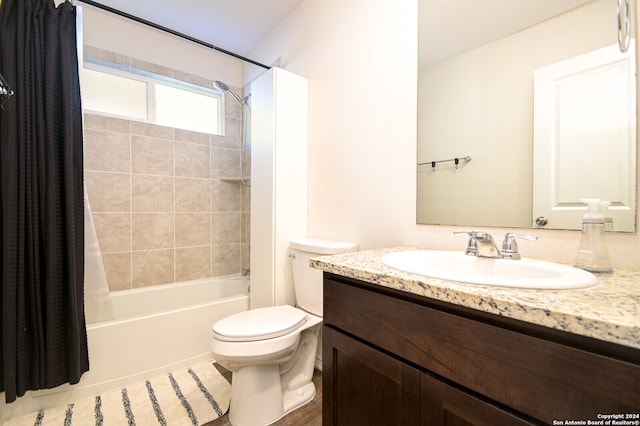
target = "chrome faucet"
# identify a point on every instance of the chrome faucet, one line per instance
(510, 247)
(482, 244)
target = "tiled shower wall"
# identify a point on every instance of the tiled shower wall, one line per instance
(162, 209)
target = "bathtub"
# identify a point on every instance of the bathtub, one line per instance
(155, 330)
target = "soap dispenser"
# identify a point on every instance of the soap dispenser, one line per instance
(608, 220)
(593, 255)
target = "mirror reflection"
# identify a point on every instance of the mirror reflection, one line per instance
(477, 123)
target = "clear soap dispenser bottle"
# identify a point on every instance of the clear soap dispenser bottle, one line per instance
(593, 255)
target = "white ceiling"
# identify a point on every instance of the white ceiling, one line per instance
(234, 25)
(451, 27)
(447, 27)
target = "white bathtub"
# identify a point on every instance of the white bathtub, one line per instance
(155, 330)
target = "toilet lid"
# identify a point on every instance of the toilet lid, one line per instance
(259, 324)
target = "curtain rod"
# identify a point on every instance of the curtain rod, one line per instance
(170, 31)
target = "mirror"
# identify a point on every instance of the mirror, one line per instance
(477, 64)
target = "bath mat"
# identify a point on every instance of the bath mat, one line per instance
(191, 396)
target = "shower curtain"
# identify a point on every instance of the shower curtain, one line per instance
(43, 340)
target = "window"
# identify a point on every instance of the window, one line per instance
(177, 107)
(113, 94)
(110, 89)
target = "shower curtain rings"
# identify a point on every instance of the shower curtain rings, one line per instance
(4, 97)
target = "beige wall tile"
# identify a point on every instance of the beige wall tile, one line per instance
(193, 195)
(193, 79)
(100, 122)
(225, 196)
(106, 151)
(153, 68)
(247, 163)
(226, 228)
(225, 162)
(114, 231)
(152, 231)
(245, 251)
(117, 267)
(193, 229)
(152, 130)
(233, 132)
(152, 156)
(192, 160)
(151, 193)
(232, 107)
(108, 192)
(152, 267)
(182, 135)
(225, 259)
(106, 55)
(193, 263)
(223, 142)
(246, 198)
(246, 225)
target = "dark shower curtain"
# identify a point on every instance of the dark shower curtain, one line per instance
(43, 340)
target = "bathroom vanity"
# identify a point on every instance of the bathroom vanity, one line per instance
(406, 350)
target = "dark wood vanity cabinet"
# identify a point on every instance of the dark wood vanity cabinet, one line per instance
(392, 358)
(368, 387)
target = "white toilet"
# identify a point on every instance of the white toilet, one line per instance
(272, 351)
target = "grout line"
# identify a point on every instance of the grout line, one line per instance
(130, 205)
(175, 262)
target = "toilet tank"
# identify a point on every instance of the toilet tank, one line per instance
(306, 280)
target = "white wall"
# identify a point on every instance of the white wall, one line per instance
(116, 34)
(360, 57)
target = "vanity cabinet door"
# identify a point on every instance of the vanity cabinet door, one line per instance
(444, 405)
(364, 386)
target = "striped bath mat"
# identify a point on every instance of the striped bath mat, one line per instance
(192, 396)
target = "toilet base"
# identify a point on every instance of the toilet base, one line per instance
(262, 394)
(257, 397)
(298, 398)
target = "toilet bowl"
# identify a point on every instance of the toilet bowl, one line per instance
(272, 351)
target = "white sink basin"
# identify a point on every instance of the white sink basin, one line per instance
(455, 266)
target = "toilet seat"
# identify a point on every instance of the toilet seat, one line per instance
(260, 324)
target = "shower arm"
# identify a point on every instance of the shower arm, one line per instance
(222, 87)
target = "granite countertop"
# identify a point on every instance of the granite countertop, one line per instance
(609, 311)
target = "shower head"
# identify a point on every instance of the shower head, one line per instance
(218, 85)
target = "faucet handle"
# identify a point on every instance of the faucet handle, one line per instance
(469, 233)
(472, 245)
(510, 247)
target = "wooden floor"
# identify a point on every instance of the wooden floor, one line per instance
(308, 415)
